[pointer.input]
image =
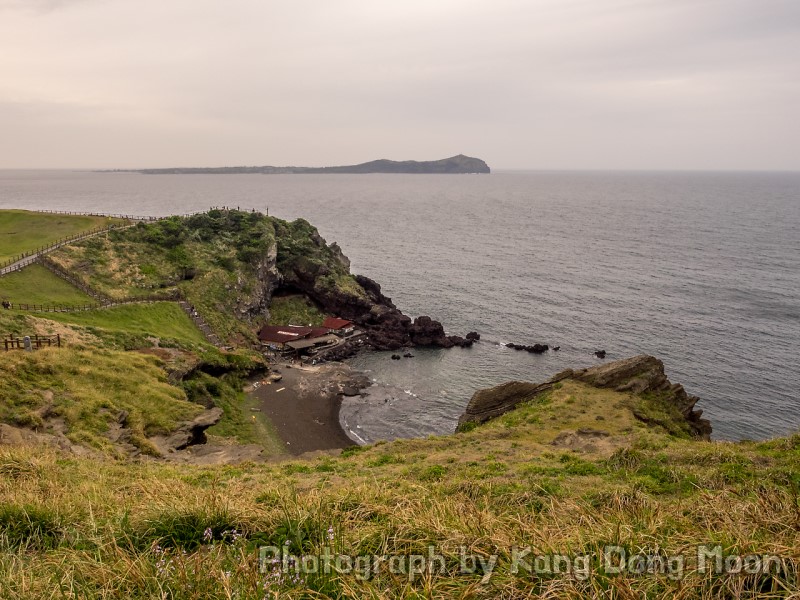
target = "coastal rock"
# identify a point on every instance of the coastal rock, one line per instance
(190, 433)
(474, 336)
(321, 272)
(341, 352)
(638, 375)
(645, 374)
(493, 402)
(457, 340)
(425, 331)
(534, 349)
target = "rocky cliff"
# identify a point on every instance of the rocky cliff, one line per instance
(321, 271)
(657, 400)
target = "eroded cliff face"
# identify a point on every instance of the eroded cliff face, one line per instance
(656, 400)
(254, 297)
(306, 263)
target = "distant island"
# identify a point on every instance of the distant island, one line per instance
(454, 165)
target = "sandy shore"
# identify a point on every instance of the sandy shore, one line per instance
(304, 405)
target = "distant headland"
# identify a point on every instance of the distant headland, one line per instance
(454, 165)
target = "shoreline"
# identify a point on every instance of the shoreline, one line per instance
(304, 405)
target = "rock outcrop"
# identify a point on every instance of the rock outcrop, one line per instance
(640, 375)
(533, 349)
(190, 433)
(493, 402)
(321, 272)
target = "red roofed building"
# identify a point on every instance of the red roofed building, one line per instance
(338, 326)
(278, 336)
(295, 339)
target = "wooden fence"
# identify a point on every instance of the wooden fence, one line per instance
(145, 218)
(61, 272)
(66, 308)
(36, 342)
(102, 300)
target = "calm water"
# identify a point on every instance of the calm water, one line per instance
(700, 270)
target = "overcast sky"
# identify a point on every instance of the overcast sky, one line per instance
(542, 84)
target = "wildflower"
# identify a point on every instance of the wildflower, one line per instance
(208, 535)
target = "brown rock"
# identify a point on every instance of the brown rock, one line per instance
(639, 375)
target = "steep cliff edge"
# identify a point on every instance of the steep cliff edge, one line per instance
(307, 264)
(652, 398)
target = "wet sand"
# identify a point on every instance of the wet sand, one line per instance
(304, 406)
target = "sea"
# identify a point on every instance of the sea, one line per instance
(701, 269)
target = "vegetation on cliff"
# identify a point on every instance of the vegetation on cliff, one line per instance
(226, 263)
(124, 375)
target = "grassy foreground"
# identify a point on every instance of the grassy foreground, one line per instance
(24, 231)
(79, 528)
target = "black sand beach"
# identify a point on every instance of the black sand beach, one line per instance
(304, 406)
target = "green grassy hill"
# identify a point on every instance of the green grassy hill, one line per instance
(146, 359)
(81, 392)
(36, 285)
(164, 320)
(225, 263)
(25, 231)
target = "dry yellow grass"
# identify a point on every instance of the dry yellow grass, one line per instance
(150, 530)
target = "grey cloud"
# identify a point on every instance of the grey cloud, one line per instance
(544, 83)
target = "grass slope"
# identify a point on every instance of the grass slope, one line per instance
(529, 479)
(36, 285)
(136, 327)
(158, 319)
(212, 259)
(84, 391)
(24, 231)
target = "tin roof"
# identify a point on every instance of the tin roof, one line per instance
(280, 334)
(336, 323)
